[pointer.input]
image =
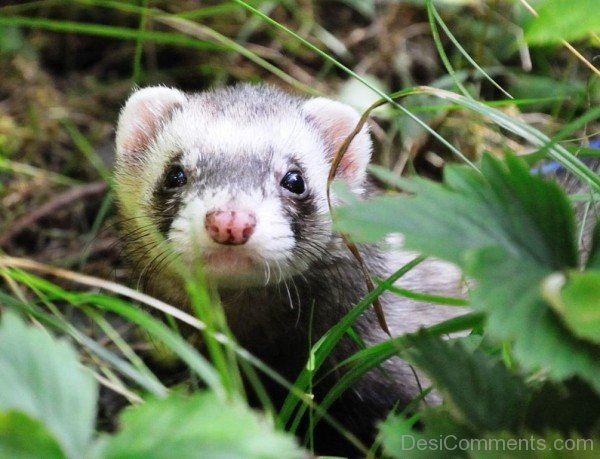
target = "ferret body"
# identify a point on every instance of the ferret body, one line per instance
(235, 180)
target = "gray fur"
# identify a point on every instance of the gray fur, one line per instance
(586, 213)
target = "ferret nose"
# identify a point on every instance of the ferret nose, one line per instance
(230, 226)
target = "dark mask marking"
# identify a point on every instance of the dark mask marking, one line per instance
(165, 203)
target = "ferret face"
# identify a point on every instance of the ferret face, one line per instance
(233, 180)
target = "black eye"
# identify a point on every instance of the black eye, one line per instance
(175, 178)
(293, 181)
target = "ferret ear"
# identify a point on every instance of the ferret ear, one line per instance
(142, 116)
(336, 121)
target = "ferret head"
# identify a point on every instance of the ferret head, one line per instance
(233, 180)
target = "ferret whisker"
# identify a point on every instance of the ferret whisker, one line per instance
(143, 274)
(299, 302)
(169, 258)
(268, 272)
(287, 289)
(280, 271)
(154, 269)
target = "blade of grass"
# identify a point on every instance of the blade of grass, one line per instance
(435, 17)
(321, 349)
(440, 49)
(341, 66)
(105, 207)
(124, 7)
(214, 10)
(139, 45)
(571, 127)
(122, 33)
(529, 133)
(365, 360)
(435, 299)
(86, 148)
(25, 6)
(36, 172)
(211, 313)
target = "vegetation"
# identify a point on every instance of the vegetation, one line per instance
(468, 99)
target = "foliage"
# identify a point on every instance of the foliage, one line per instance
(560, 20)
(197, 426)
(42, 379)
(495, 224)
(492, 225)
(48, 403)
(529, 369)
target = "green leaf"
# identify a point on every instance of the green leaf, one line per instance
(559, 20)
(22, 437)
(505, 207)
(481, 391)
(509, 231)
(509, 292)
(42, 377)
(202, 425)
(580, 304)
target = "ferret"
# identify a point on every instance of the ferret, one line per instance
(235, 180)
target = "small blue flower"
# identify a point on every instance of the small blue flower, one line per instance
(595, 143)
(552, 167)
(546, 168)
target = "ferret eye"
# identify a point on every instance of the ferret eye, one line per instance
(293, 181)
(175, 178)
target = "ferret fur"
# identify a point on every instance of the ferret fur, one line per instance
(235, 144)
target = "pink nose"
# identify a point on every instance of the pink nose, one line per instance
(230, 226)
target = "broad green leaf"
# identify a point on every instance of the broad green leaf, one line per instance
(42, 377)
(560, 20)
(509, 231)
(202, 425)
(22, 437)
(580, 304)
(479, 388)
(509, 292)
(505, 207)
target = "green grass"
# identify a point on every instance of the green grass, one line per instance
(295, 44)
